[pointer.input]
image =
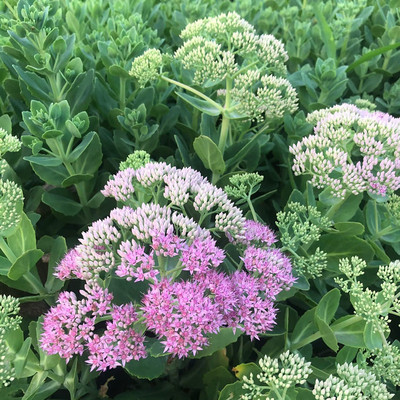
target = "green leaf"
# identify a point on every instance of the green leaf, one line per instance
(349, 331)
(147, 368)
(372, 337)
(116, 70)
(53, 176)
(77, 178)
(350, 228)
(305, 326)
(346, 355)
(202, 105)
(327, 334)
(60, 203)
(36, 383)
(218, 341)
(56, 248)
(24, 263)
(5, 265)
(5, 123)
(37, 86)
(217, 379)
(24, 238)
(71, 378)
(46, 161)
(21, 357)
(232, 391)
(326, 32)
(328, 305)
(81, 91)
(82, 146)
(209, 154)
(245, 370)
(89, 160)
(341, 246)
(372, 54)
(51, 134)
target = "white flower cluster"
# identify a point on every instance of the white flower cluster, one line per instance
(352, 150)
(278, 374)
(352, 383)
(227, 47)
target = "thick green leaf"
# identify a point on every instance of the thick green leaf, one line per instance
(218, 341)
(56, 248)
(202, 105)
(24, 238)
(5, 265)
(349, 331)
(372, 54)
(341, 246)
(83, 145)
(327, 334)
(346, 355)
(232, 391)
(51, 134)
(328, 305)
(37, 86)
(5, 123)
(326, 32)
(372, 337)
(116, 70)
(305, 326)
(53, 176)
(81, 91)
(60, 203)
(24, 263)
(46, 161)
(147, 368)
(77, 178)
(350, 228)
(21, 357)
(36, 383)
(245, 370)
(209, 154)
(89, 160)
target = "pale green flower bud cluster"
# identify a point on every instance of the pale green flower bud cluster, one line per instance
(227, 47)
(278, 375)
(243, 185)
(346, 12)
(9, 321)
(385, 362)
(373, 306)
(146, 67)
(352, 383)
(138, 159)
(8, 142)
(260, 96)
(393, 206)
(11, 203)
(300, 226)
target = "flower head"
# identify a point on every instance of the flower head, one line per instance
(352, 150)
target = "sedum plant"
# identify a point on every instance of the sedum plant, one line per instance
(162, 245)
(233, 73)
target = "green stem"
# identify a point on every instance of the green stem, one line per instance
(244, 69)
(194, 91)
(31, 299)
(253, 211)
(122, 95)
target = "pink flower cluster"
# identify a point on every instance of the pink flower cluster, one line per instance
(352, 150)
(189, 293)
